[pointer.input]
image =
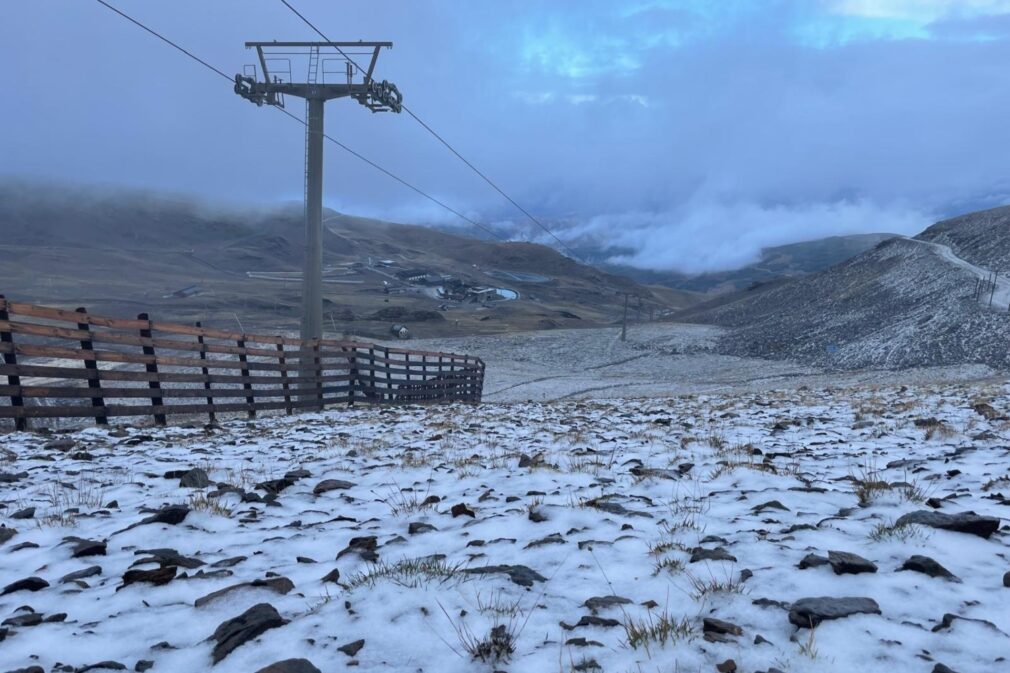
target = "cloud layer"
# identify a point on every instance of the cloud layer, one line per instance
(688, 133)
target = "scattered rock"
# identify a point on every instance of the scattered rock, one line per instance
(809, 612)
(157, 577)
(195, 478)
(927, 566)
(351, 649)
(717, 554)
(965, 522)
(65, 444)
(84, 548)
(6, 534)
(26, 513)
(603, 602)
(239, 630)
(845, 563)
(728, 666)
(812, 561)
(102, 666)
(27, 584)
(279, 585)
(462, 510)
(417, 528)
(84, 573)
(520, 574)
(1006, 580)
(327, 485)
(771, 504)
(275, 486)
(290, 666)
(362, 546)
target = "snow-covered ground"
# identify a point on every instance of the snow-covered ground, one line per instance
(582, 535)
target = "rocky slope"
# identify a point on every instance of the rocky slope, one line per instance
(982, 238)
(906, 303)
(812, 531)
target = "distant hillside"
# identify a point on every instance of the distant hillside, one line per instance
(905, 303)
(982, 238)
(128, 252)
(782, 261)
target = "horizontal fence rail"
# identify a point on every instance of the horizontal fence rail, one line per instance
(72, 364)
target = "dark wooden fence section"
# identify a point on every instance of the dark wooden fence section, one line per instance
(72, 364)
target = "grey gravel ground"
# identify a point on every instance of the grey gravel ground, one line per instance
(657, 360)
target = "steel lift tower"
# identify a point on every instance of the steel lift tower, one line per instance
(270, 82)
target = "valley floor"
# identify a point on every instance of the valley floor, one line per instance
(652, 535)
(656, 360)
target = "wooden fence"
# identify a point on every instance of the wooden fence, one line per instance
(72, 364)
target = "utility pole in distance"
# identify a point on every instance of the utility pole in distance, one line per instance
(624, 321)
(275, 81)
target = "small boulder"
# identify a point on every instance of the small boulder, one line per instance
(327, 485)
(237, 631)
(26, 513)
(717, 554)
(845, 563)
(6, 534)
(928, 566)
(195, 478)
(27, 584)
(418, 527)
(809, 612)
(290, 666)
(964, 522)
(351, 649)
(157, 577)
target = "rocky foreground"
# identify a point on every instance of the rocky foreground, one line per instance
(814, 530)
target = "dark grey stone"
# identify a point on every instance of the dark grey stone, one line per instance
(195, 478)
(602, 602)
(27, 584)
(290, 666)
(327, 485)
(417, 528)
(717, 554)
(965, 522)
(239, 630)
(90, 571)
(809, 612)
(846, 563)
(520, 574)
(928, 566)
(279, 585)
(351, 649)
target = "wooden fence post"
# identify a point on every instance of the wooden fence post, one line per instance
(211, 416)
(352, 374)
(371, 374)
(244, 368)
(152, 368)
(282, 361)
(441, 379)
(11, 359)
(389, 377)
(91, 365)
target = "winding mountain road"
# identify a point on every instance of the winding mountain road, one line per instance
(1000, 298)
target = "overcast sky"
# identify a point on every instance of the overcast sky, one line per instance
(685, 134)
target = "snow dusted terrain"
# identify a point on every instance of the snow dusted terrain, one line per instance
(909, 302)
(653, 535)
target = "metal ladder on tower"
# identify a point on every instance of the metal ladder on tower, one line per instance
(313, 75)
